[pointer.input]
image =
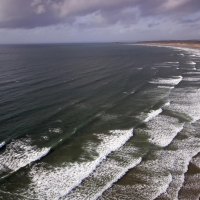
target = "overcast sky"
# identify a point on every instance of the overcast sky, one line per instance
(44, 21)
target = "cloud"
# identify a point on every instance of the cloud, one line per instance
(40, 13)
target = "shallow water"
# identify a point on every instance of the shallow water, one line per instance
(97, 121)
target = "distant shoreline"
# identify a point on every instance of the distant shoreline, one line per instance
(180, 44)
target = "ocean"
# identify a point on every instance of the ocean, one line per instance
(99, 121)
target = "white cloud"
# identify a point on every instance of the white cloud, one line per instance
(173, 4)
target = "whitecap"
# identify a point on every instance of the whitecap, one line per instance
(163, 129)
(161, 176)
(165, 87)
(55, 130)
(173, 62)
(186, 101)
(167, 104)
(192, 79)
(175, 80)
(120, 175)
(193, 73)
(191, 63)
(152, 114)
(20, 153)
(56, 182)
(107, 174)
(2, 144)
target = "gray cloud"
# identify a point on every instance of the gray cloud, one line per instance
(39, 13)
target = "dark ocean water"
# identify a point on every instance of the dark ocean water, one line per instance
(97, 121)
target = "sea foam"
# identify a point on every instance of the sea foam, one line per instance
(186, 101)
(20, 153)
(162, 175)
(163, 129)
(103, 178)
(59, 181)
(152, 114)
(167, 81)
(2, 144)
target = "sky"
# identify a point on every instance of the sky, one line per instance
(60, 21)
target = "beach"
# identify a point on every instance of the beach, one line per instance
(181, 44)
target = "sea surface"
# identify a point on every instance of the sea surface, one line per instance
(99, 121)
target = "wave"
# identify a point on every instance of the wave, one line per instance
(166, 65)
(193, 73)
(110, 172)
(167, 104)
(191, 63)
(175, 62)
(163, 175)
(166, 87)
(18, 154)
(163, 129)
(149, 181)
(152, 114)
(178, 161)
(140, 68)
(167, 81)
(186, 101)
(124, 170)
(2, 144)
(54, 179)
(192, 79)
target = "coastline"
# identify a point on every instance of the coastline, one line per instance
(188, 45)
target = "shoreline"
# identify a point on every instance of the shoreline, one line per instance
(188, 45)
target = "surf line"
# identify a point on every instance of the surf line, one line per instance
(154, 113)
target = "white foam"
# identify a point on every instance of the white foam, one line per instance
(186, 101)
(59, 181)
(120, 175)
(140, 68)
(20, 153)
(163, 129)
(163, 175)
(154, 174)
(166, 87)
(2, 144)
(102, 179)
(55, 130)
(178, 161)
(166, 65)
(151, 184)
(152, 114)
(192, 79)
(173, 62)
(133, 92)
(168, 81)
(167, 104)
(191, 63)
(193, 73)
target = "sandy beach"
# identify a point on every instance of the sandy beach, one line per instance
(182, 44)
